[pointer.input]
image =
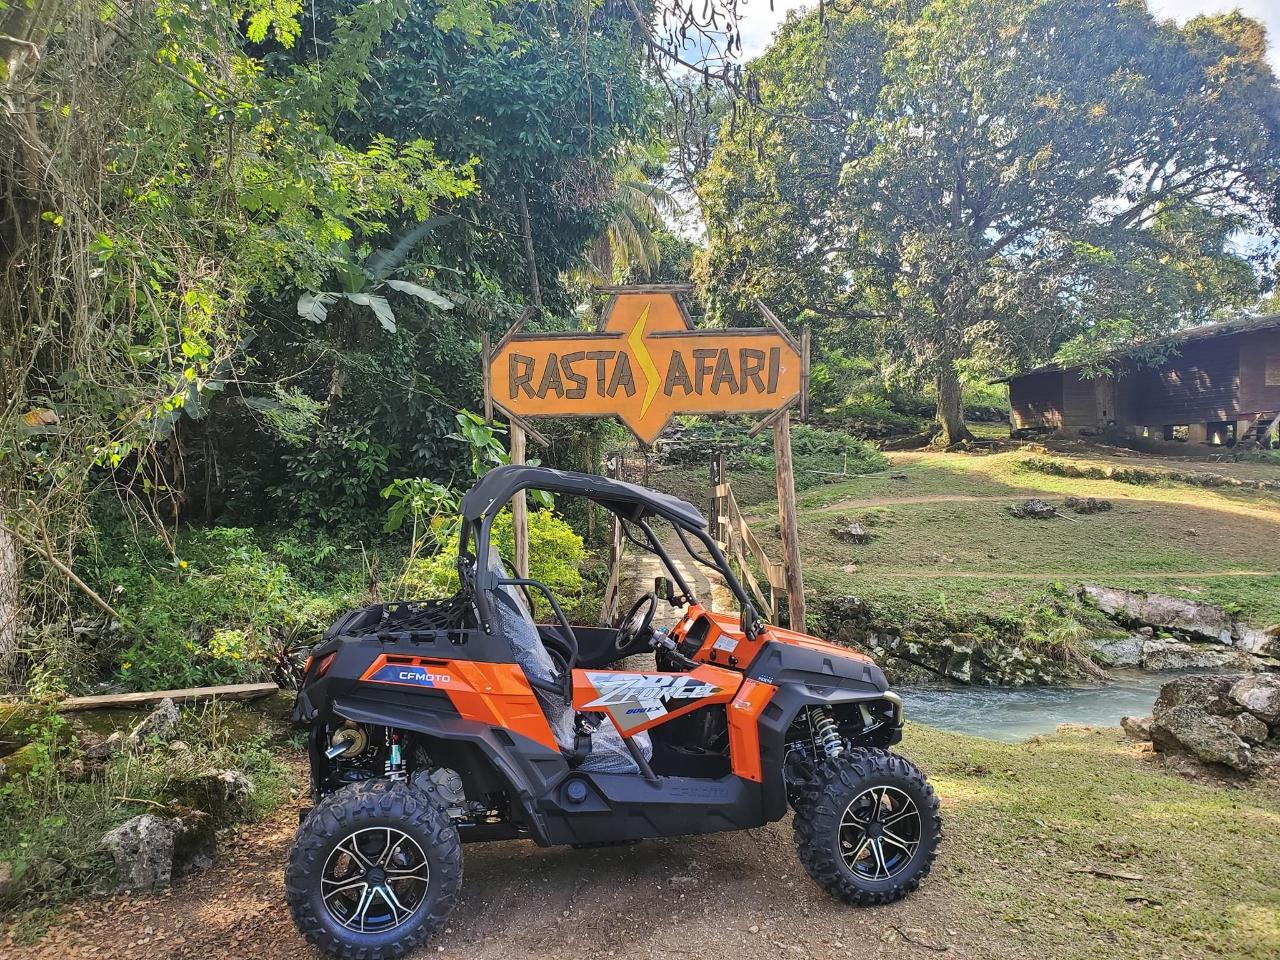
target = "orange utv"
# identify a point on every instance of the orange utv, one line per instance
(437, 723)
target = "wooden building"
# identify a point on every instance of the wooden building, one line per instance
(1220, 384)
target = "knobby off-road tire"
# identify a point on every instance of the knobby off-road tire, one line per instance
(835, 838)
(407, 815)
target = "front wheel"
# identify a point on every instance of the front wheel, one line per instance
(867, 826)
(374, 870)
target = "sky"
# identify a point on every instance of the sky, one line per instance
(758, 22)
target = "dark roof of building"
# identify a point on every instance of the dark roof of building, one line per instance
(1249, 323)
(630, 500)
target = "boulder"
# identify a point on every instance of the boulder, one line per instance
(851, 532)
(1206, 737)
(222, 794)
(1086, 504)
(1137, 728)
(1262, 643)
(1118, 651)
(1138, 607)
(1249, 728)
(142, 848)
(1035, 509)
(1207, 692)
(160, 724)
(104, 750)
(1161, 654)
(1259, 695)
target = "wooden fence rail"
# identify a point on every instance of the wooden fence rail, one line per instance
(737, 540)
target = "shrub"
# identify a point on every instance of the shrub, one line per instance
(223, 613)
(52, 817)
(556, 555)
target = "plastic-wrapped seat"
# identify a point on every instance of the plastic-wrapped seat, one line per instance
(608, 753)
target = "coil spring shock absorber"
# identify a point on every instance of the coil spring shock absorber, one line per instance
(825, 732)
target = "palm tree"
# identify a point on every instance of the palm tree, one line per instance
(636, 212)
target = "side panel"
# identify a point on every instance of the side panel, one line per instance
(744, 728)
(594, 808)
(495, 694)
(638, 701)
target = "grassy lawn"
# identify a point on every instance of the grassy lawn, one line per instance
(943, 539)
(1025, 822)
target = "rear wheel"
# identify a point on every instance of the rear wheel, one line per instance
(374, 869)
(867, 826)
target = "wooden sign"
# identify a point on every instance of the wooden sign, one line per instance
(645, 364)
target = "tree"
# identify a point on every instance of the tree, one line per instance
(984, 181)
(630, 241)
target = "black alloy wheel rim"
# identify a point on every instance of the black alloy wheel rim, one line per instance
(374, 880)
(879, 833)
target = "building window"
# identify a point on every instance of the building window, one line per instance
(1177, 431)
(1222, 433)
(1271, 372)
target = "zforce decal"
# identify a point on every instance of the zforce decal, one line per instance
(634, 699)
(410, 674)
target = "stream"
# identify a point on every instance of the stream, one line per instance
(1013, 714)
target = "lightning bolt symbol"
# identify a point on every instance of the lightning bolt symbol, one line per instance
(635, 340)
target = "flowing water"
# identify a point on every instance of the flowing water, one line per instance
(1012, 714)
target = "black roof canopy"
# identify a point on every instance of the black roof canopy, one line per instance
(629, 500)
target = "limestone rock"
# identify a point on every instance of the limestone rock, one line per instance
(1207, 692)
(1086, 504)
(143, 851)
(1262, 643)
(161, 724)
(1035, 509)
(1118, 651)
(1138, 728)
(1249, 728)
(1206, 737)
(1259, 695)
(1202, 620)
(222, 794)
(851, 532)
(106, 749)
(1161, 654)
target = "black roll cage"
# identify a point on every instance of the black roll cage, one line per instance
(632, 504)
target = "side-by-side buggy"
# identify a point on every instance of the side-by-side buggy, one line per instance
(440, 722)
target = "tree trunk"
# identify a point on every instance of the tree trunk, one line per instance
(951, 425)
(10, 571)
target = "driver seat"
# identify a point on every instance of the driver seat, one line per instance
(608, 753)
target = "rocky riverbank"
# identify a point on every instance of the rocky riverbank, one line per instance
(1077, 634)
(1225, 721)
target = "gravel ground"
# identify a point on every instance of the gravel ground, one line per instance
(723, 896)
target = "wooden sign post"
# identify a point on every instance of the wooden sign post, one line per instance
(644, 364)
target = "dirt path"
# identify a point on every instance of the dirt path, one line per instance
(729, 896)
(916, 572)
(641, 567)
(860, 503)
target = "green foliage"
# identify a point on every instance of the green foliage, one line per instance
(968, 184)
(556, 555)
(52, 817)
(225, 612)
(813, 449)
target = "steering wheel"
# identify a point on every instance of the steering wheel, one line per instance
(637, 623)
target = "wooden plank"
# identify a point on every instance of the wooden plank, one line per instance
(1272, 432)
(519, 506)
(234, 691)
(804, 372)
(772, 571)
(787, 518)
(485, 355)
